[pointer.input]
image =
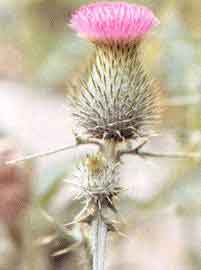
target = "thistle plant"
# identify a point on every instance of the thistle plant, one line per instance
(115, 104)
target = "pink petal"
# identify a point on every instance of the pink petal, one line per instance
(108, 21)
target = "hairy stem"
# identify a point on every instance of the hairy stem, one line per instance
(99, 235)
(109, 149)
(99, 228)
(191, 155)
(53, 151)
(177, 155)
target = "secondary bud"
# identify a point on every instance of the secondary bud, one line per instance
(95, 163)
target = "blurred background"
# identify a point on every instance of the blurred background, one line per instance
(39, 54)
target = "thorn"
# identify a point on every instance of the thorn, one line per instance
(66, 250)
(124, 235)
(41, 154)
(79, 142)
(99, 205)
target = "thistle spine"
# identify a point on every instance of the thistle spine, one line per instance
(118, 100)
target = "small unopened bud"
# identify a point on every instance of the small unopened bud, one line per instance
(95, 163)
(14, 185)
(97, 178)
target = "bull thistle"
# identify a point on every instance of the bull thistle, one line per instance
(116, 102)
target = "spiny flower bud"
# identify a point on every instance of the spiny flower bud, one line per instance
(14, 185)
(98, 179)
(95, 163)
(117, 100)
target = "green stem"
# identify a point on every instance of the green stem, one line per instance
(99, 235)
(99, 228)
(109, 150)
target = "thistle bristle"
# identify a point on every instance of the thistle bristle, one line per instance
(118, 100)
(97, 179)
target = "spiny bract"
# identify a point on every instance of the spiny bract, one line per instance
(97, 180)
(117, 100)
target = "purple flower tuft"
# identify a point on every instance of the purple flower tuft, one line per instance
(113, 22)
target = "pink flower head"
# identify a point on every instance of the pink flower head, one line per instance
(113, 22)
